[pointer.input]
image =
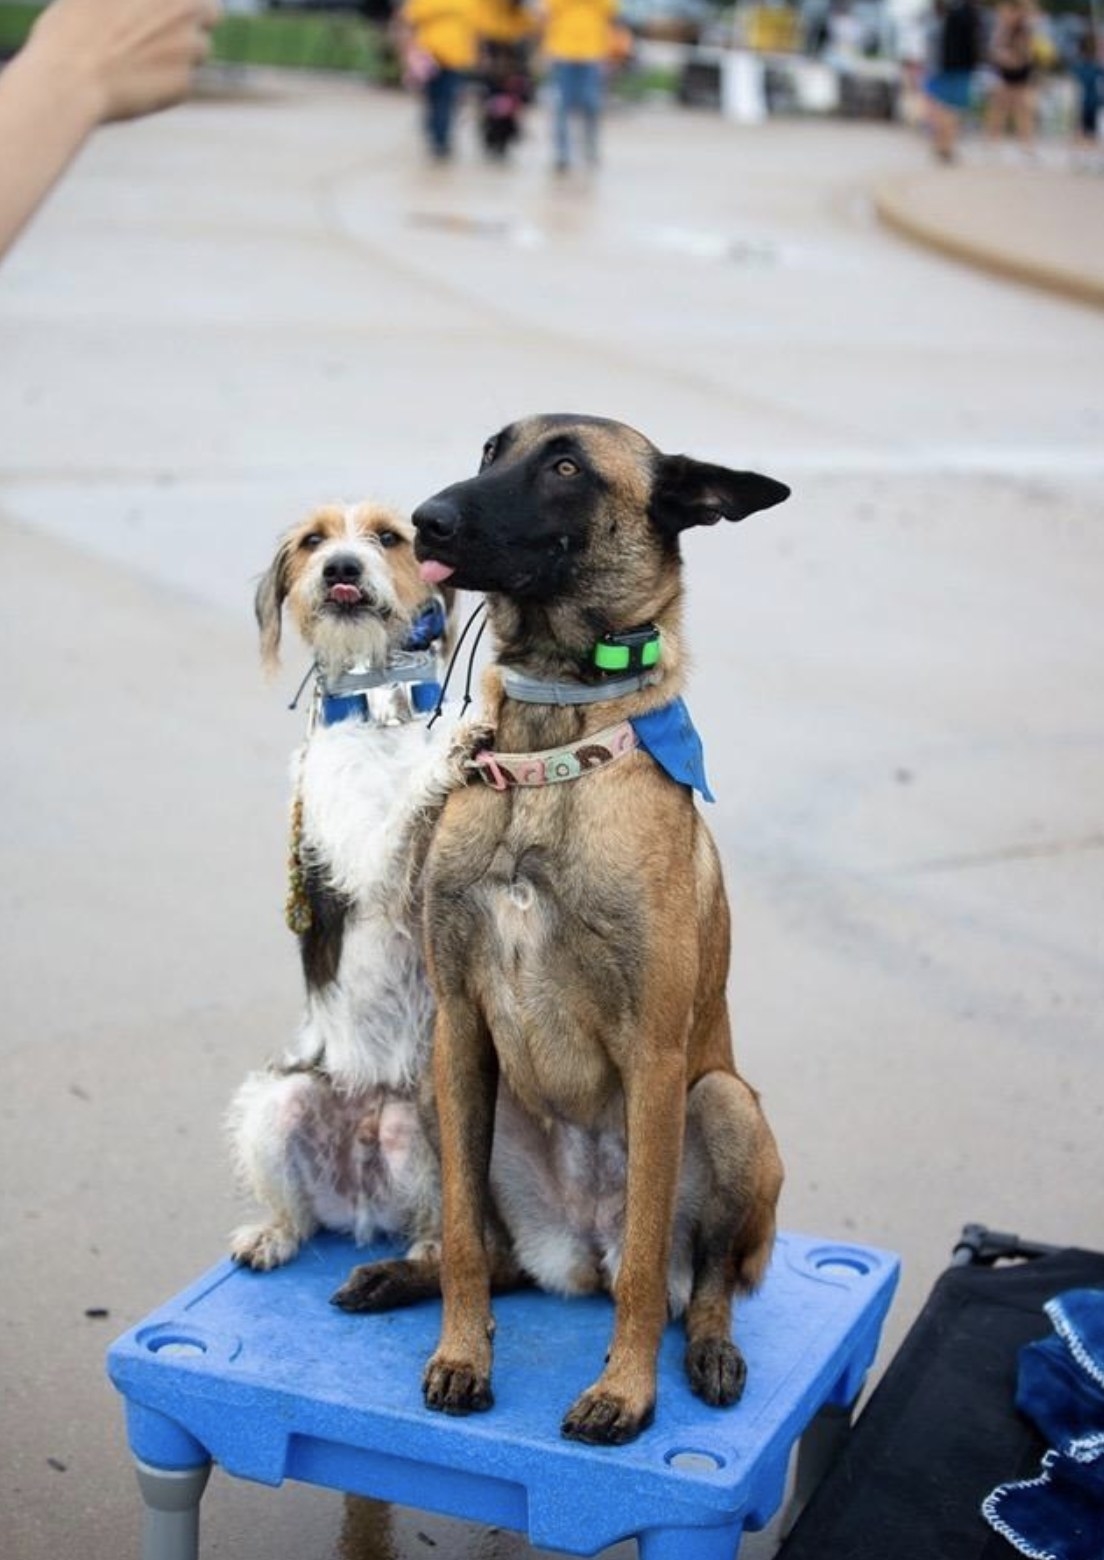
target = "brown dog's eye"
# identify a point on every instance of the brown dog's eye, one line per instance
(489, 450)
(312, 540)
(389, 538)
(566, 468)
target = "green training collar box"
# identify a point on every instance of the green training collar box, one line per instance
(634, 650)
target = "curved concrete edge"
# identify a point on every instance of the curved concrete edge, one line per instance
(891, 202)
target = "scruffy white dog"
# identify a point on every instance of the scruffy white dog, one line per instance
(333, 1135)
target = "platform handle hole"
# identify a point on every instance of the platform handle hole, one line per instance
(178, 1346)
(692, 1460)
(842, 1264)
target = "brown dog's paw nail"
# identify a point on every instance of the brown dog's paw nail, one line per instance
(717, 1371)
(602, 1419)
(456, 1389)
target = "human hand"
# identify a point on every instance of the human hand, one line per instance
(133, 56)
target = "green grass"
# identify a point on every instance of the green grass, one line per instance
(318, 41)
(296, 41)
(15, 24)
(633, 86)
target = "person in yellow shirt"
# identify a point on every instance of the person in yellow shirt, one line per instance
(504, 22)
(441, 49)
(577, 42)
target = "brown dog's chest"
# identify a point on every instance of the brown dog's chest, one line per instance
(543, 920)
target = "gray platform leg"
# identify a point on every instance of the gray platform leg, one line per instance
(703, 1543)
(822, 1442)
(172, 1496)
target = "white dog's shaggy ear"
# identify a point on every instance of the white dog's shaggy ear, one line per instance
(692, 492)
(268, 605)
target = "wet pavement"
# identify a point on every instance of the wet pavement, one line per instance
(267, 299)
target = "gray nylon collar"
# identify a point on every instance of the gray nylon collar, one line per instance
(533, 690)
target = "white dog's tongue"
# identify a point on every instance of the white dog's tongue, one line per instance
(434, 573)
(345, 595)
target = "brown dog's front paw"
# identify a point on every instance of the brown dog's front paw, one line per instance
(717, 1371)
(469, 739)
(385, 1286)
(452, 1387)
(605, 1419)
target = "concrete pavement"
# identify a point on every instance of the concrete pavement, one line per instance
(256, 302)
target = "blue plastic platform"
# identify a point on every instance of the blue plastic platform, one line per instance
(261, 1374)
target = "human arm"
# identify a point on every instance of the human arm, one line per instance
(87, 62)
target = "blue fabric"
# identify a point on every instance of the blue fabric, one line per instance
(338, 707)
(952, 87)
(670, 737)
(577, 85)
(424, 696)
(354, 706)
(441, 92)
(1060, 1514)
(426, 627)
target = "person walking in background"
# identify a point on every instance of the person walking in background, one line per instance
(843, 43)
(87, 62)
(439, 49)
(1088, 74)
(505, 29)
(577, 44)
(1012, 55)
(954, 56)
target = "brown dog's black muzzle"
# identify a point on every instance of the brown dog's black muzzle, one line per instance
(437, 522)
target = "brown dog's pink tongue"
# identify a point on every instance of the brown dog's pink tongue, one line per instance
(345, 595)
(434, 573)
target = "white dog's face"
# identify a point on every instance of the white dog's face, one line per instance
(351, 585)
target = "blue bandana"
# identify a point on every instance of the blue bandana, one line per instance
(429, 625)
(670, 737)
(1060, 1513)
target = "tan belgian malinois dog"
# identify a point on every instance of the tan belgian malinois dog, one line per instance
(577, 927)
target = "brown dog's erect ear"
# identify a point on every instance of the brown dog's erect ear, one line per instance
(691, 492)
(268, 605)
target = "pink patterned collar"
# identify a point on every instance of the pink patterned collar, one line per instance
(501, 771)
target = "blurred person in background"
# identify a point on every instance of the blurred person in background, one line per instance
(1088, 75)
(87, 62)
(955, 51)
(577, 42)
(439, 47)
(505, 29)
(844, 37)
(1011, 53)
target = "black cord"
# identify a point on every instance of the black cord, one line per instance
(452, 662)
(299, 691)
(471, 667)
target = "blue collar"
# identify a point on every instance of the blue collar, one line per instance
(670, 737)
(420, 699)
(406, 691)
